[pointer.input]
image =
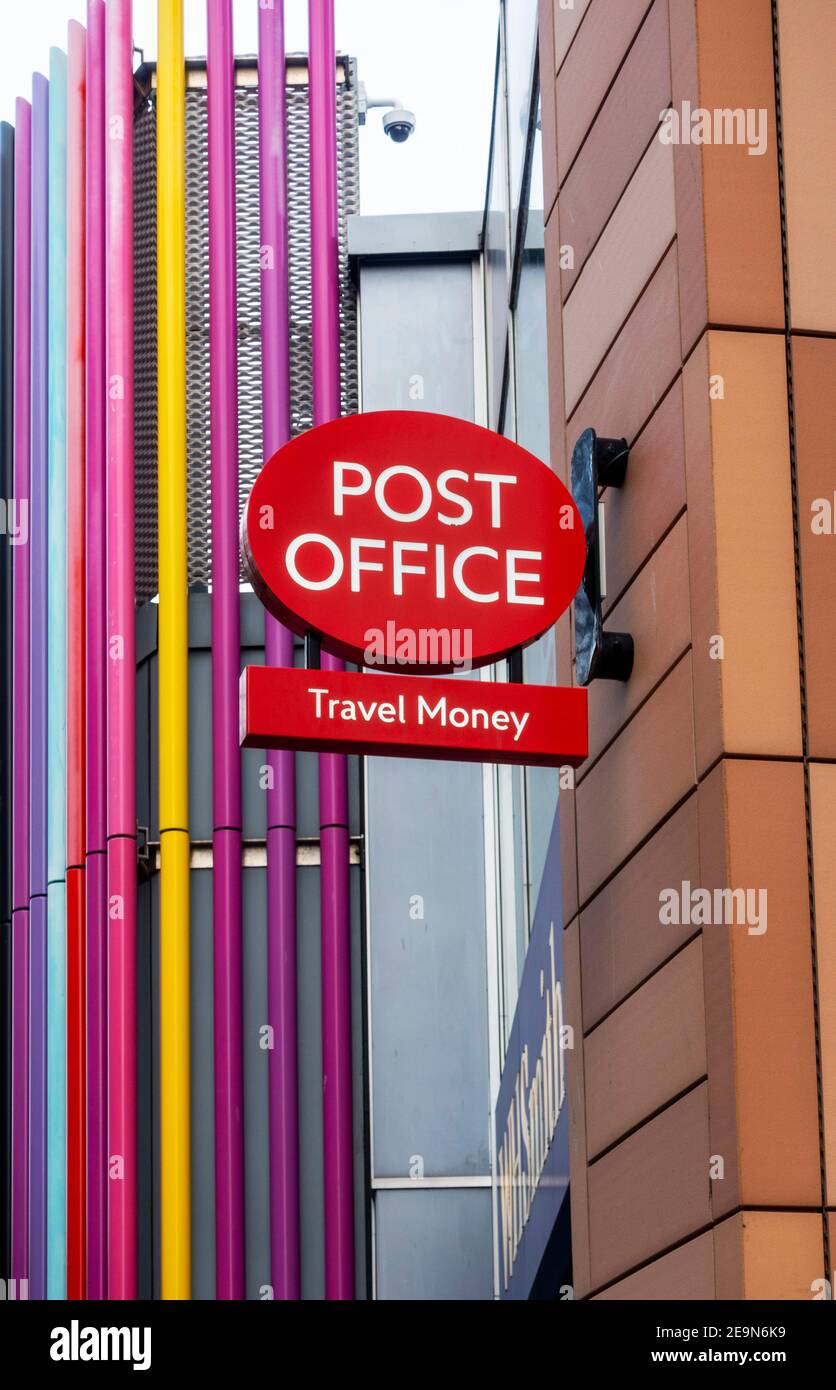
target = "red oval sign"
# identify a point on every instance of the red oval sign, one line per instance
(412, 540)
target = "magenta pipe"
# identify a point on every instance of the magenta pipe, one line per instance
(20, 699)
(278, 651)
(333, 782)
(38, 619)
(226, 645)
(121, 660)
(95, 840)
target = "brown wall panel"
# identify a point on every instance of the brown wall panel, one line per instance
(648, 769)
(618, 139)
(741, 206)
(782, 1254)
(622, 939)
(719, 995)
(686, 1273)
(655, 611)
(772, 973)
(823, 812)
(566, 18)
(646, 1052)
(547, 103)
(814, 375)
(651, 1191)
(639, 367)
(640, 512)
(600, 45)
(742, 555)
(690, 227)
(554, 322)
(577, 1115)
(807, 37)
(628, 251)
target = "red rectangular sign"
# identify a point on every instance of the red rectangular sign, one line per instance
(412, 717)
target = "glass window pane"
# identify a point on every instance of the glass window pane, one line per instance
(520, 44)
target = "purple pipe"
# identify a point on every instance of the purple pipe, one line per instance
(38, 617)
(333, 781)
(226, 662)
(96, 673)
(20, 701)
(278, 651)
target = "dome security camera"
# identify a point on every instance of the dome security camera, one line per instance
(399, 124)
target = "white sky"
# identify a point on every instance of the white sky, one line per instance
(436, 56)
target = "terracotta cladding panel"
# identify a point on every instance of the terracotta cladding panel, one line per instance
(655, 611)
(577, 1115)
(622, 939)
(746, 692)
(547, 103)
(650, 1192)
(807, 40)
(554, 317)
(618, 139)
(772, 986)
(640, 513)
(823, 810)
(639, 367)
(566, 16)
(599, 47)
(622, 262)
(690, 228)
(686, 1273)
(782, 1254)
(639, 780)
(651, 1049)
(814, 374)
(741, 205)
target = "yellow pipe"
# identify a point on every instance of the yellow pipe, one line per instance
(173, 649)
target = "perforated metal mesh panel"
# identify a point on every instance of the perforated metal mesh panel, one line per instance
(249, 305)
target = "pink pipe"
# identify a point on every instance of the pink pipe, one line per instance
(121, 663)
(226, 648)
(96, 663)
(20, 701)
(333, 783)
(278, 651)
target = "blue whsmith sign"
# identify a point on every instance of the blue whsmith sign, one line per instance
(532, 1123)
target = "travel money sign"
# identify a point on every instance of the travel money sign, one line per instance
(419, 544)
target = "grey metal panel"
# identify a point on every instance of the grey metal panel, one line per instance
(434, 1244)
(145, 1089)
(430, 1089)
(416, 234)
(202, 1086)
(310, 1083)
(256, 1100)
(416, 325)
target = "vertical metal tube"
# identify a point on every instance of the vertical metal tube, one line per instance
(121, 653)
(20, 699)
(173, 646)
(278, 644)
(333, 783)
(76, 371)
(38, 572)
(56, 1196)
(226, 765)
(95, 672)
(7, 212)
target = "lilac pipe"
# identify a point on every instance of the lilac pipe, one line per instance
(226, 778)
(38, 693)
(278, 651)
(96, 673)
(333, 782)
(20, 702)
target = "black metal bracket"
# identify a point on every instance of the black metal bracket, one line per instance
(599, 655)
